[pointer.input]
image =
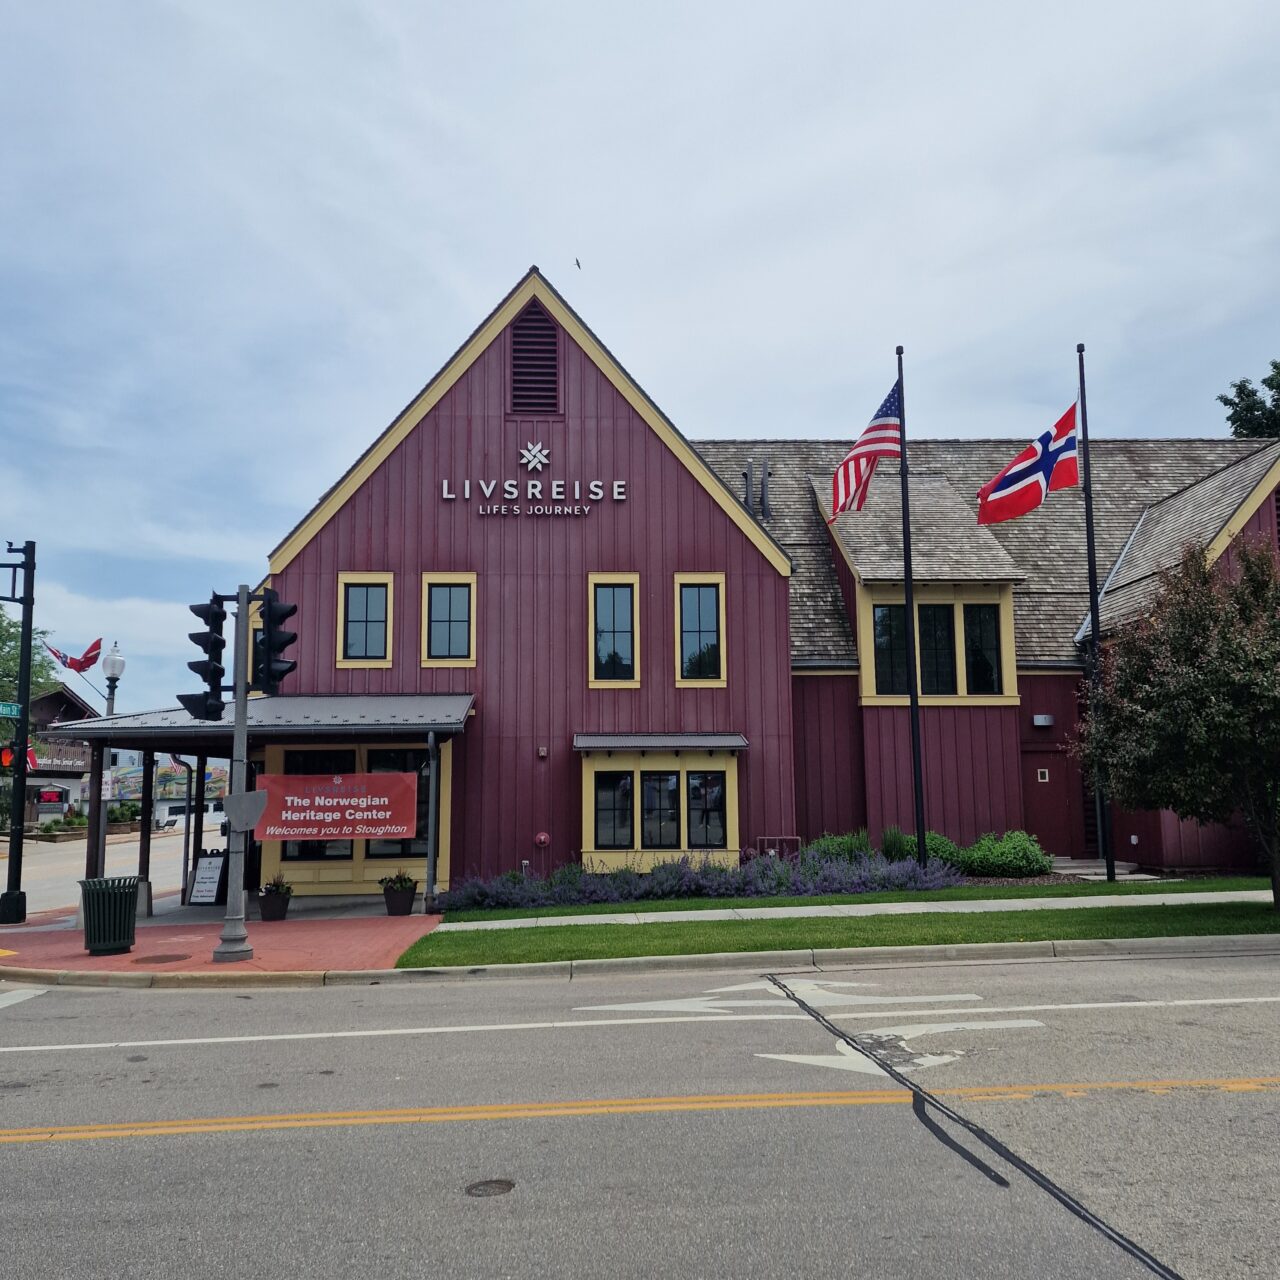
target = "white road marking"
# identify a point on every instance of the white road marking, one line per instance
(844, 1059)
(909, 1031)
(821, 993)
(17, 997)
(401, 1031)
(1051, 1008)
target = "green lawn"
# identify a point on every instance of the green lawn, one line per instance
(965, 892)
(586, 942)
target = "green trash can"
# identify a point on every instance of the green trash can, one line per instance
(110, 914)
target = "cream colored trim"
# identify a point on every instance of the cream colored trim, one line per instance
(1244, 513)
(533, 286)
(636, 763)
(346, 579)
(359, 873)
(957, 594)
(433, 577)
(618, 579)
(703, 580)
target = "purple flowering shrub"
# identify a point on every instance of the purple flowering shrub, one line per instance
(809, 874)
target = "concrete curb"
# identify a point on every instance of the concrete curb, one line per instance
(1233, 944)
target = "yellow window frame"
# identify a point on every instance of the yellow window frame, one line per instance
(440, 578)
(605, 580)
(364, 579)
(702, 580)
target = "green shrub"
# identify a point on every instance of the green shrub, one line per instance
(938, 846)
(852, 844)
(1015, 854)
(896, 845)
(53, 824)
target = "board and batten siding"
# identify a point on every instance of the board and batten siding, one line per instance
(530, 677)
(831, 786)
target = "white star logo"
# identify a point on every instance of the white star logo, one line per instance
(534, 456)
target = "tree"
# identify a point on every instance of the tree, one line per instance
(43, 672)
(1252, 416)
(1187, 716)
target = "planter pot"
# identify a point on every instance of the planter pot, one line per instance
(135, 825)
(273, 906)
(400, 901)
(119, 828)
(57, 837)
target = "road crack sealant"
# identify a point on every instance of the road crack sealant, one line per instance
(922, 1100)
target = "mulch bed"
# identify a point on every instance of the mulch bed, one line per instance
(1051, 879)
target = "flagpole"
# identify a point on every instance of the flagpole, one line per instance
(913, 681)
(1095, 668)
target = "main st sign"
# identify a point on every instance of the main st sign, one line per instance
(530, 497)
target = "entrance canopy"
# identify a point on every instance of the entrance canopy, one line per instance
(342, 718)
(659, 742)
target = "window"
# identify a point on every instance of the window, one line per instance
(660, 810)
(614, 633)
(891, 648)
(937, 649)
(317, 762)
(707, 811)
(366, 614)
(448, 620)
(404, 760)
(700, 629)
(982, 648)
(613, 810)
(364, 619)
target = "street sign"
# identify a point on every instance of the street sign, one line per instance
(10, 710)
(243, 811)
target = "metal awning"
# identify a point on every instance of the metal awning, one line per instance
(659, 742)
(340, 718)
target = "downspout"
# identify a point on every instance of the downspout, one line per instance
(433, 820)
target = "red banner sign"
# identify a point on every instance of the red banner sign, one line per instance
(353, 806)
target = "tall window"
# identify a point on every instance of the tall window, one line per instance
(365, 614)
(982, 648)
(328, 762)
(613, 810)
(404, 760)
(700, 631)
(660, 810)
(706, 811)
(614, 657)
(937, 648)
(891, 648)
(449, 620)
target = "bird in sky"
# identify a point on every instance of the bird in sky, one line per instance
(577, 264)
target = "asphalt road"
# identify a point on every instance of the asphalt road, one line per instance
(689, 1125)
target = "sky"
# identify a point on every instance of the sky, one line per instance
(237, 238)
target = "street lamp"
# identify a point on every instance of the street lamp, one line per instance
(113, 669)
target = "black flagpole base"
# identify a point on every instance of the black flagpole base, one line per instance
(13, 907)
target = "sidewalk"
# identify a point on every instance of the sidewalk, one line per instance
(871, 909)
(320, 940)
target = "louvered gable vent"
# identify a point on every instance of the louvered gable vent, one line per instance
(535, 385)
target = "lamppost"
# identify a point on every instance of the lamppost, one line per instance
(113, 669)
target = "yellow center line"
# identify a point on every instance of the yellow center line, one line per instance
(613, 1106)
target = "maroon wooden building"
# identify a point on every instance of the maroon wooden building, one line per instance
(618, 646)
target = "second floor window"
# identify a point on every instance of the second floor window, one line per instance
(982, 648)
(700, 631)
(449, 620)
(891, 648)
(614, 657)
(365, 614)
(937, 649)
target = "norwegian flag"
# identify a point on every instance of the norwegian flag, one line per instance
(1048, 463)
(881, 439)
(83, 662)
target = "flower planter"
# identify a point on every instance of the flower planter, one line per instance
(273, 906)
(400, 901)
(57, 837)
(136, 825)
(119, 828)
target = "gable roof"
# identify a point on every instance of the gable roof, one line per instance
(1198, 513)
(532, 285)
(1047, 546)
(945, 544)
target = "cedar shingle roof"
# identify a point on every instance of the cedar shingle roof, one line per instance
(1047, 546)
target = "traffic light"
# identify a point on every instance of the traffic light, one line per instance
(8, 754)
(208, 705)
(269, 664)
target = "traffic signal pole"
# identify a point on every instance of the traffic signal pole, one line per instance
(234, 944)
(13, 902)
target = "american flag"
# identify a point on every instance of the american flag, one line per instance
(881, 439)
